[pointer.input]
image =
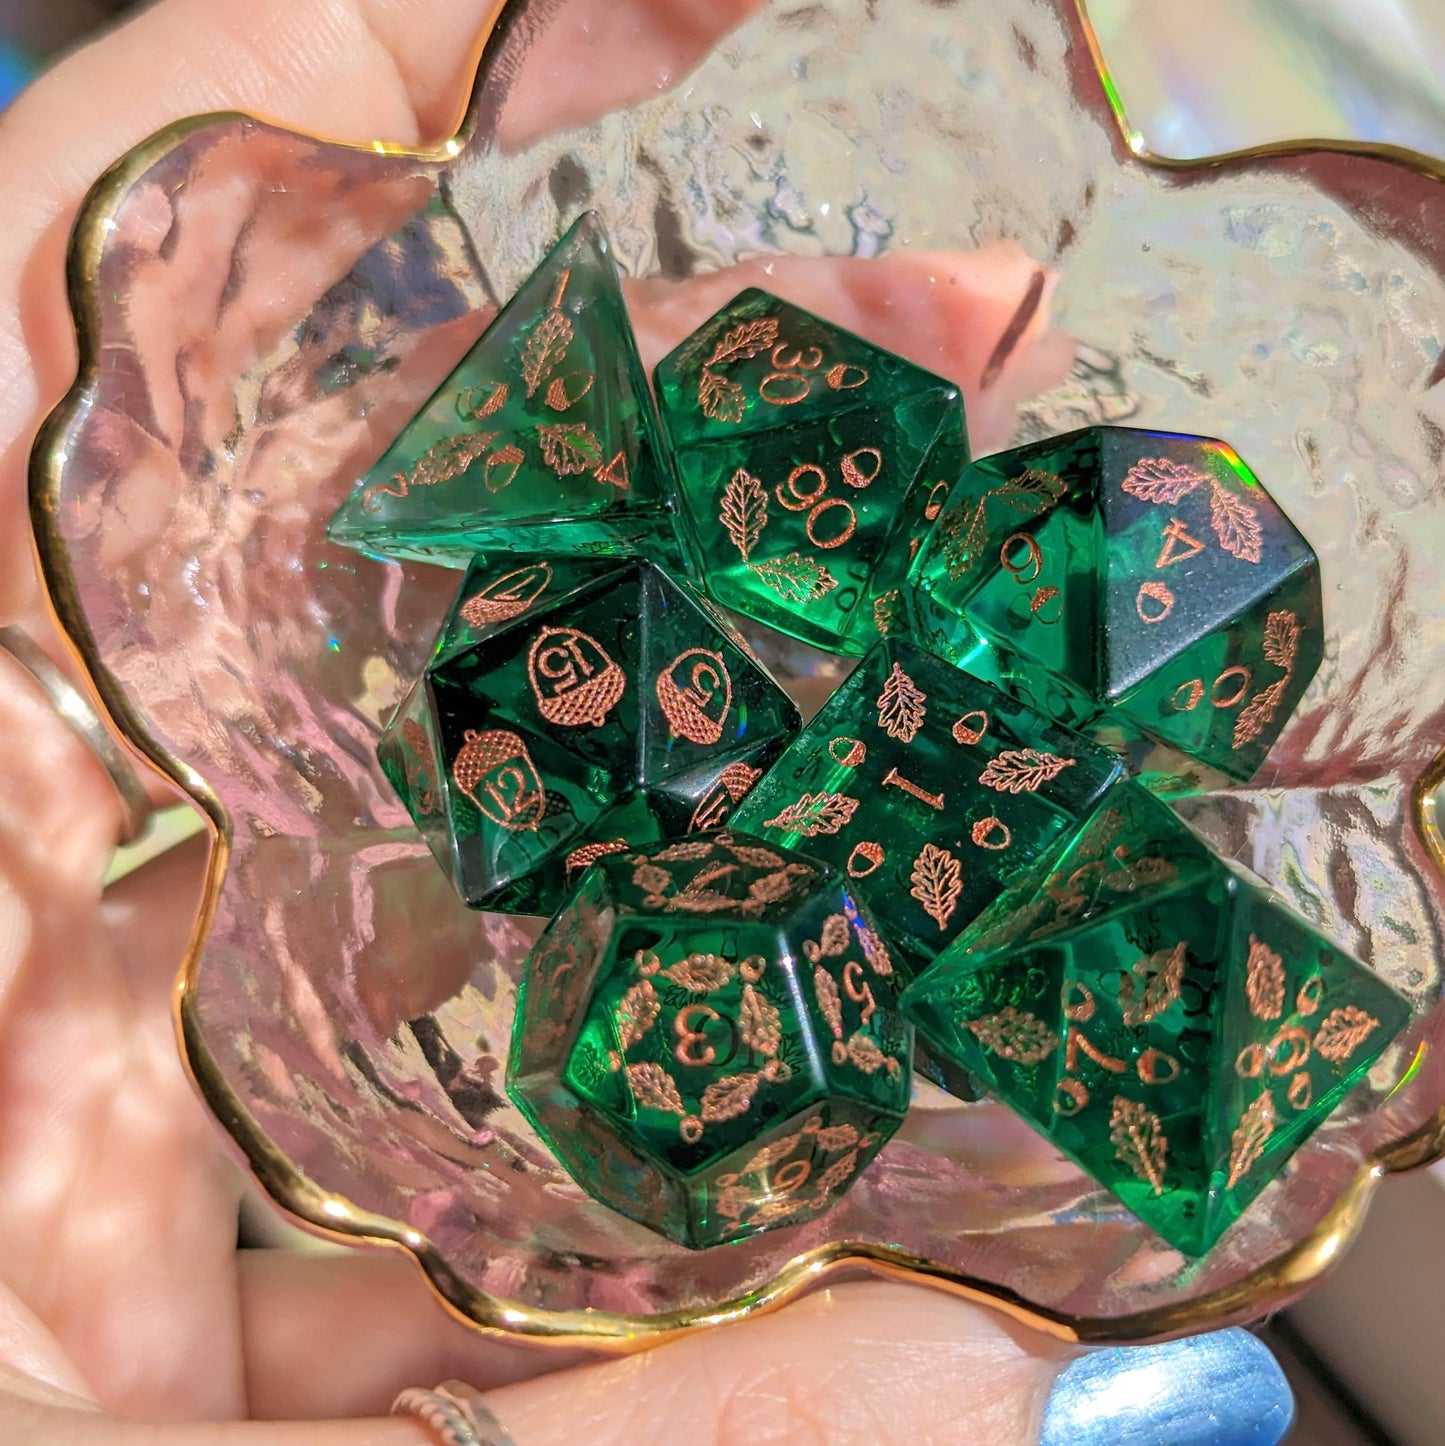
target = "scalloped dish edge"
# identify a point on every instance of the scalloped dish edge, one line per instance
(330, 1215)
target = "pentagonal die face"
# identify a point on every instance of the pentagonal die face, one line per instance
(709, 1039)
(574, 707)
(809, 462)
(1139, 581)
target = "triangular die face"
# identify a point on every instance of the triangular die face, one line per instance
(761, 363)
(704, 699)
(499, 591)
(706, 798)
(1304, 1022)
(1101, 1035)
(938, 416)
(1192, 542)
(1225, 697)
(566, 677)
(545, 436)
(1131, 848)
(996, 497)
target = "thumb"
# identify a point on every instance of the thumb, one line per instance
(867, 1362)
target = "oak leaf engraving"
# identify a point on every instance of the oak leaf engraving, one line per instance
(1023, 770)
(1250, 1137)
(837, 1137)
(831, 942)
(830, 1002)
(1264, 980)
(754, 857)
(815, 813)
(1258, 713)
(654, 1088)
(771, 888)
(684, 852)
(726, 1099)
(695, 900)
(1138, 1139)
(1015, 1034)
(864, 1054)
(651, 879)
(1281, 640)
(937, 880)
(1161, 975)
(744, 511)
(637, 1012)
(965, 532)
(701, 973)
(1157, 479)
(1342, 1031)
(545, 348)
(732, 1201)
(759, 1023)
(875, 951)
(796, 578)
(720, 398)
(902, 706)
(837, 1173)
(1235, 523)
(569, 448)
(770, 1154)
(744, 342)
(442, 461)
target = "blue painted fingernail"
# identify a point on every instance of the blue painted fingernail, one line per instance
(1223, 1389)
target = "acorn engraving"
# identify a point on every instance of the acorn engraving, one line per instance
(508, 596)
(573, 679)
(496, 772)
(696, 695)
(716, 805)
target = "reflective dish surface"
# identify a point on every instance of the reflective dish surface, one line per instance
(261, 312)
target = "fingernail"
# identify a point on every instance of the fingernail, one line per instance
(1223, 1389)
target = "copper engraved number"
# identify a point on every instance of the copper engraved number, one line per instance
(573, 679)
(789, 382)
(689, 1037)
(1028, 568)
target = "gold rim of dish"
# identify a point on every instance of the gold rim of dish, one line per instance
(332, 1215)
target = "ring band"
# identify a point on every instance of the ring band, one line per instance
(458, 1414)
(75, 708)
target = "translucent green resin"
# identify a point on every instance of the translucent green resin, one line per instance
(1135, 582)
(1161, 1018)
(575, 706)
(544, 440)
(930, 789)
(707, 1037)
(811, 463)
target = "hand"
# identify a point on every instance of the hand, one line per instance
(122, 1295)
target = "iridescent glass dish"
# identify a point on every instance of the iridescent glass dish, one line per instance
(261, 312)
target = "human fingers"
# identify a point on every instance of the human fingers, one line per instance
(870, 1362)
(980, 318)
(360, 70)
(117, 1206)
(866, 1362)
(384, 1331)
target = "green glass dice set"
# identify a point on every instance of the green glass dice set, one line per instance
(751, 918)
